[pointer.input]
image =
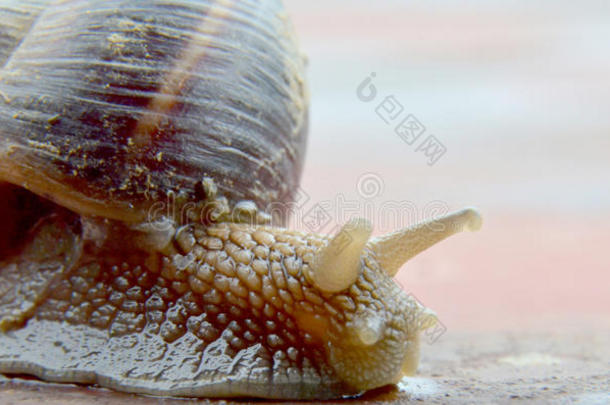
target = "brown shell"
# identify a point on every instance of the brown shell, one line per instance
(107, 107)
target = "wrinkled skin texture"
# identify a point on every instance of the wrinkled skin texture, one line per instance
(224, 310)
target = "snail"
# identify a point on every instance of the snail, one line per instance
(149, 151)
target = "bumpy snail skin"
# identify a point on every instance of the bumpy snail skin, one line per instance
(143, 146)
(224, 310)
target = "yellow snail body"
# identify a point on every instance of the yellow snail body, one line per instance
(110, 111)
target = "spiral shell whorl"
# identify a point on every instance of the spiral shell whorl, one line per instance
(109, 107)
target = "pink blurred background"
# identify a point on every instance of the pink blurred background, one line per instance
(518, 95)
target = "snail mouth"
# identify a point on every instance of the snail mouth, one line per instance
(21, 213)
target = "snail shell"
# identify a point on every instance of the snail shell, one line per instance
(109, 108)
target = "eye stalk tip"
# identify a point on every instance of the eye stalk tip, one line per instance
(474, 221)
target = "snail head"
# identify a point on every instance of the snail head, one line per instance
(378, 338)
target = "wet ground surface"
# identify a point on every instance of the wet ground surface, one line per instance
(459, 368)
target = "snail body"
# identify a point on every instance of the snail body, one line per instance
(111, 111)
